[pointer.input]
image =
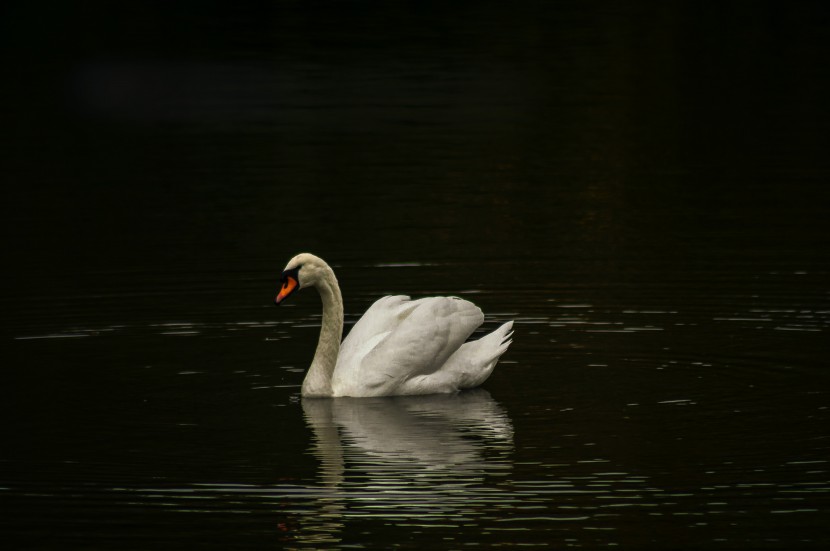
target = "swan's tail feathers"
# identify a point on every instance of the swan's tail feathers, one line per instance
(505, 334)
(474, 361)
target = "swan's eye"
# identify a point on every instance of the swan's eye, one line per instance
(292, 273)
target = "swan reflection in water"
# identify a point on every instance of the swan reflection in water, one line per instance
(408, 459)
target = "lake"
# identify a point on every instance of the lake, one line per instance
(642, 188)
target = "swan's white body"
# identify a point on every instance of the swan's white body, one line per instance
(399, 346)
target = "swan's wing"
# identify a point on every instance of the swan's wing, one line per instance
(398, 339)
(383, 316)
(423, 341)
(376, 324)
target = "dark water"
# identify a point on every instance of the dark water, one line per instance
(643, 189)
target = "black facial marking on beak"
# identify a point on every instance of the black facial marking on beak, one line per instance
(293, 272)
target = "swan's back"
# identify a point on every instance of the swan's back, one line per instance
(401, 346)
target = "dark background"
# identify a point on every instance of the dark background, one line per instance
(315, 120)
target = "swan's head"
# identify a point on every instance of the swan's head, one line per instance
(304, 270)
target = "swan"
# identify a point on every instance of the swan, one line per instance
(399, 347)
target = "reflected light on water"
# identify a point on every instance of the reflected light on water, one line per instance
(414, 459)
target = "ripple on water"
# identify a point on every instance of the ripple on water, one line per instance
(668, 414)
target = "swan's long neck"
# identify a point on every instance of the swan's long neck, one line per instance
(318, 379)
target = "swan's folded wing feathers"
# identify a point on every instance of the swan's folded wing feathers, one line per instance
(375, 326)
(398, 339)
(423, 341)
(381, 317)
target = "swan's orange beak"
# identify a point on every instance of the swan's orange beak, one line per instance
(288, 287)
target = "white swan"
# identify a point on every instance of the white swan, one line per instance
(399, 346)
